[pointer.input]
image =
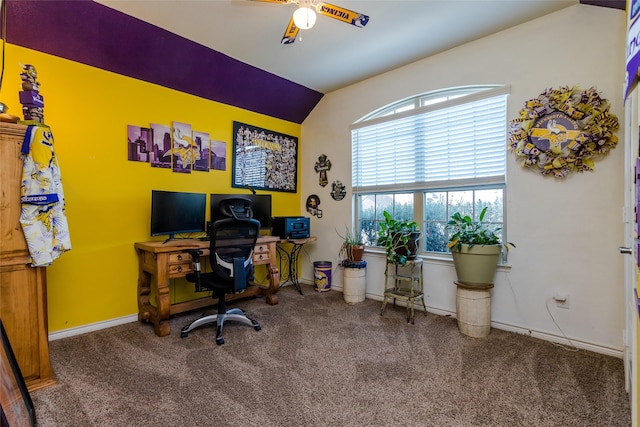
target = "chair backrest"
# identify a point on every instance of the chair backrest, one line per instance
(236, 207)
(231, 250)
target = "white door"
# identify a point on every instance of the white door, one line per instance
(629, 251)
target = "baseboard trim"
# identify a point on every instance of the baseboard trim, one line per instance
(555, 339)
(560, 340)
(92, 327)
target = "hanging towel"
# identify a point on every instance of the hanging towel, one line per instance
(43, 216)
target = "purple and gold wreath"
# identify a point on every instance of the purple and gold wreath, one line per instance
(563, 130)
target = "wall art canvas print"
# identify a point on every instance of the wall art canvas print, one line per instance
(182, 150)
(264, 159)
(201, 151)
(160, 146)
(218, 155)
(139, 143)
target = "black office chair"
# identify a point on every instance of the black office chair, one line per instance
(231, 250)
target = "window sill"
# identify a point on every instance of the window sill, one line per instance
(431, 258)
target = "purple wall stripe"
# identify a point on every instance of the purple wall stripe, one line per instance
(615, 4)
(93, 34)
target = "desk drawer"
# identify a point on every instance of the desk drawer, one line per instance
(179, 270)
(260, 258)
(261, 254)
(261, 249)
(179, 257)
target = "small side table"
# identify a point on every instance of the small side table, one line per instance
(404, 282)
(291, 257)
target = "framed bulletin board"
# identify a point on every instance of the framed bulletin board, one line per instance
(16, 407)
(264, 159)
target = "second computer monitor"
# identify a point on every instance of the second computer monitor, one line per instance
(260, 204)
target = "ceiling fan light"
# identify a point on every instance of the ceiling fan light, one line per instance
(304, 18)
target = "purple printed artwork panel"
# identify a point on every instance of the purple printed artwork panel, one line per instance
(218, 155)
(182, 150)
(201, 145)
(138, 143)
(160, 146)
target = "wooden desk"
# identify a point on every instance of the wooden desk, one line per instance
(158, 263)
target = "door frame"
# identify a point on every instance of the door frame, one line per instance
(630, 337)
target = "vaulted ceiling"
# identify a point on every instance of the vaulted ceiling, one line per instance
(230, 51)
(334, 54)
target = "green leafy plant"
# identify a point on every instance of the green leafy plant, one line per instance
(395, 236)
(466, 231)
(349, 241)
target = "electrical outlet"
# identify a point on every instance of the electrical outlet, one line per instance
(561, 299)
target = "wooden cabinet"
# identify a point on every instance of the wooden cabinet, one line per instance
(23, 289)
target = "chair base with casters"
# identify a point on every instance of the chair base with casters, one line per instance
(219, 318)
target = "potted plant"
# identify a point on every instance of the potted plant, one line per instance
(475, 248)
(399, 238)
(352, 246)
(354, 284)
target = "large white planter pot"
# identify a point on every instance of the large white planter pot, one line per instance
(476, 265)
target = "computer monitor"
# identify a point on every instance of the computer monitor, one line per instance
(260, 204)
(174, 212)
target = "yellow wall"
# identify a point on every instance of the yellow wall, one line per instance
(108, 197)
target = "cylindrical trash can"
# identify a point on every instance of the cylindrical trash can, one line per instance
(322, 276)
(354, 281)
(473, 309)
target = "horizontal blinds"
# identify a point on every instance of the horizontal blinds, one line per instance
(461, 141)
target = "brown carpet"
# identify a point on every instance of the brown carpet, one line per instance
(321, 362)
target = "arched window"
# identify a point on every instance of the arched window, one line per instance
(429, 156)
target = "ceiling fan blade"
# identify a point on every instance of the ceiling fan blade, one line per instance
(290, 33)
(344, 15)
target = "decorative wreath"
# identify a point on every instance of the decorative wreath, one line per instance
(563, 130)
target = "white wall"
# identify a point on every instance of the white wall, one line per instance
(567, 231)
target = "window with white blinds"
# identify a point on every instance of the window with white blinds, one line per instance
(462, 138)
(429, 156)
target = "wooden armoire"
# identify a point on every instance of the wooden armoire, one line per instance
(23, 289)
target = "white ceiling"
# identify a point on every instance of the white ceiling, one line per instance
(334, 54)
